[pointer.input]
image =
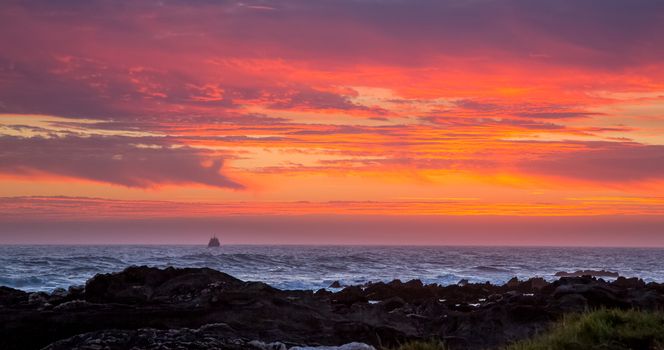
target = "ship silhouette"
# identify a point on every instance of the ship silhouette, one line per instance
(214, 242)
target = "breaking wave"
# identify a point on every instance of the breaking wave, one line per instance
(313, 267)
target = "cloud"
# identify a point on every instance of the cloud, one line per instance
(526, 110)
(336, 130)
(491, 122)
(556, 115)
(131, 162)
(458, 77)
(603, 162)
(312, 99)
(176, 58)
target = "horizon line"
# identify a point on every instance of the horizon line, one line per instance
(331, 245)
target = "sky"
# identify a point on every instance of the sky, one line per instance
(513, 122)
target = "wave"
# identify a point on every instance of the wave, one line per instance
(489, 269)
(21, 281)
(289, 267)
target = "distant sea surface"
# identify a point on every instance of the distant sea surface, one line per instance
(37, 268)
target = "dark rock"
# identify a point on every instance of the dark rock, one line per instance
(143, 284)
(648, 299)
(152, 339)
(38, 298)
(59, 293)
(349, 296)
(633, 282)
(335, 284)
(596, 294)
(76, 290)
(72, 305)
(166, 308)
(537, 283)
(10, 296)
(410, 291)
(391, 304)
(322, 292)
(571, 303)
(512, 283)
(592, 273)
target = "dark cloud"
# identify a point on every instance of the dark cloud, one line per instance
(622, 32)
(35, 89)
(521, 110)
(478, 106)
(336, 130)
(313, 99)
(132, 162)
(53, 63)
(603, 162)
(82, 88)
(491, 122)
(556, 115)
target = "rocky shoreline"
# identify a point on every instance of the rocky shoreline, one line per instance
(150, 308)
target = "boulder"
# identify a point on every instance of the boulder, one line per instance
(633, 282)
(391, 304)
(168, 308)
(145, 284)
(571, 303)
(349, 296)
(512, 283)
(537, 283)
(10, 296)
(349, 346)
(592, 273)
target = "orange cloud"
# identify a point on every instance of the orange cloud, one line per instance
(356, 102)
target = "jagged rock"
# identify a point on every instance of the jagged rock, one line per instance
(10, 296)
(139, 284)
(153, 339)
(269, 346)
(349, 296)
(412, 290)
(335, 284)
(537, 283)
(572, 303)
(512, 283)
(349, 346)
(59, 293)
(596, 294)
(592, 273)
(629, 282)
(168, 308)
(391, 304)
(38, 298)
(72, 305)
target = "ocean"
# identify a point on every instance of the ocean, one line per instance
(44, 268)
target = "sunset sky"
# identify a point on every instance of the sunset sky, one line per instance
(319, 121)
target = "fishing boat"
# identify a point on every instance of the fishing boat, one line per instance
(214, 242)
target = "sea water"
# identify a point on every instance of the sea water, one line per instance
(44, 268)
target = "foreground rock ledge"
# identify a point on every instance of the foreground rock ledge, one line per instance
(144, 307)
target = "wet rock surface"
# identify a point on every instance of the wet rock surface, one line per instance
(150, 308)
(208, 337)
(593, 273)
